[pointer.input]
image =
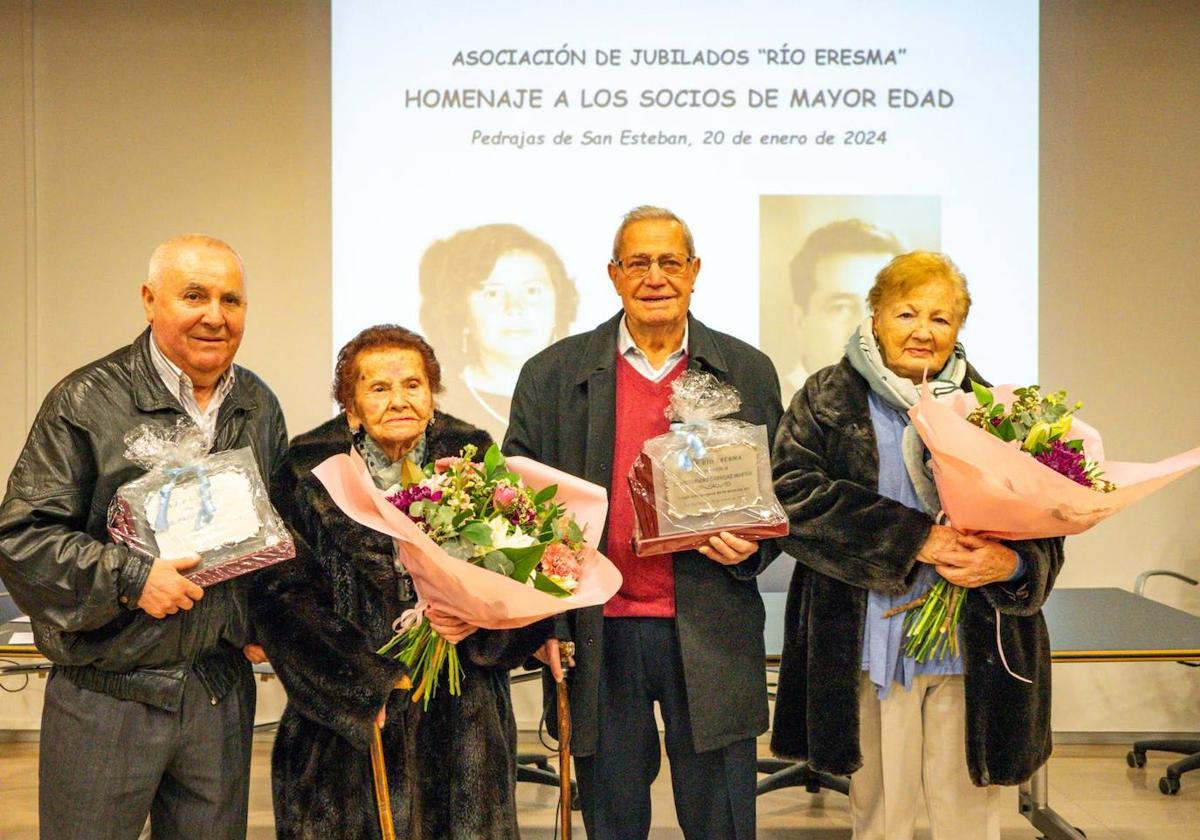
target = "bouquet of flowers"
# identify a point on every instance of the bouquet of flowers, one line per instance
(482, 513)
(1022, 467)
(1040, 426)
(482, 544)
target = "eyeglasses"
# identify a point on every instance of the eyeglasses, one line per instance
(671, 265)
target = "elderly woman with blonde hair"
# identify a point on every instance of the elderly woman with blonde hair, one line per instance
(852, 474)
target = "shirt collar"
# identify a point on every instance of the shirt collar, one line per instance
(626, 346)
(178, 383)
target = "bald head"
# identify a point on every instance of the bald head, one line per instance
(195, 301)
(182, 252)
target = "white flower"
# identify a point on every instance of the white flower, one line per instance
(503, 538)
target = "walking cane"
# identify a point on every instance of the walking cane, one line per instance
(566, 652)
(383, 799)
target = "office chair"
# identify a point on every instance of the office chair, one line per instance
(779, 774)
(1168, 784)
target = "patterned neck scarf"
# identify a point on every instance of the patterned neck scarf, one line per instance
(384, 471)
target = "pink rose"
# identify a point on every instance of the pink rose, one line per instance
(443, 464)
(504, 497)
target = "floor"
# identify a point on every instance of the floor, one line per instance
(1089, 785)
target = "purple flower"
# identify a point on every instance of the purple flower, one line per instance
(1065, 461)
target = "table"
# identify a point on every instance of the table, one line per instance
(1086, 625)
(1104, 625)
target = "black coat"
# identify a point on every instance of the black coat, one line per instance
(847, 540)
(564, 415)
(321, 617)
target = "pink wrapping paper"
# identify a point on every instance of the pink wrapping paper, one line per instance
(474, 594)
(992, 488)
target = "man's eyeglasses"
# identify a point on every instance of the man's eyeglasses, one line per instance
(671, 265)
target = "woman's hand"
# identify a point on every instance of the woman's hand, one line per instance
(728, 549)
(976, 562)
(449, 627)
(941, 538)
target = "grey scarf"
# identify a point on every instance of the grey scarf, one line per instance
(900, 393)
(384, 471)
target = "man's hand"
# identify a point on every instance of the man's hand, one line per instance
(976, 562)
(167, 591)
(255, 654)
(941, 538)
(449, 627)
(728, 549)
(548, 654)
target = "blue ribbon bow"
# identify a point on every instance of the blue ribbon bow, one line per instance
(207, 507)
(693, 449)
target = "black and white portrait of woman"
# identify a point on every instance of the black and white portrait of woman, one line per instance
(491, 297)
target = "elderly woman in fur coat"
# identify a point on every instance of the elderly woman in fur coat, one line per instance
(322, 616)
(851, 473)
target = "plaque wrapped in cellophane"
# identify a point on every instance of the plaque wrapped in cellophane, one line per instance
(190, 502)
(706, 475)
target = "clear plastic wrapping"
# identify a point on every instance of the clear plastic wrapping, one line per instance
(189, 502)
(705, 476)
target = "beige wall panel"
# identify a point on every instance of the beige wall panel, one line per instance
(13, 231)
(160, 118)
(1120, 297)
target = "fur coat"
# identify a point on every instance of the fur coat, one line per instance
(320, 618)
(848, 539)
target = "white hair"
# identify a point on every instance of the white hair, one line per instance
(647, 212)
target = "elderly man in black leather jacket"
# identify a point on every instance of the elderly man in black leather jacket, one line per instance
(150, 703)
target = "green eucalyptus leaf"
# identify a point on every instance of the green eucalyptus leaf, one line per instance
(478, 533)
(498, 562)
(458, 548)
(545, 494)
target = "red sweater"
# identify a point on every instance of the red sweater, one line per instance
(648, 588)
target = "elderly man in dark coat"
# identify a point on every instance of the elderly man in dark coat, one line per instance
(685, 630)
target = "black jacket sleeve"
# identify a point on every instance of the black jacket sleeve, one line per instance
(57, 573)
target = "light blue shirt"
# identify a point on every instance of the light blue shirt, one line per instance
(883, 638)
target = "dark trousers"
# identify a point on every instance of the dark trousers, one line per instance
(107, 763)
(714, 790)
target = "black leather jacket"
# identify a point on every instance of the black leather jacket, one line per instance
(80, 589)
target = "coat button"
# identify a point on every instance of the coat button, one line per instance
(588, 641)
(124, 599)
